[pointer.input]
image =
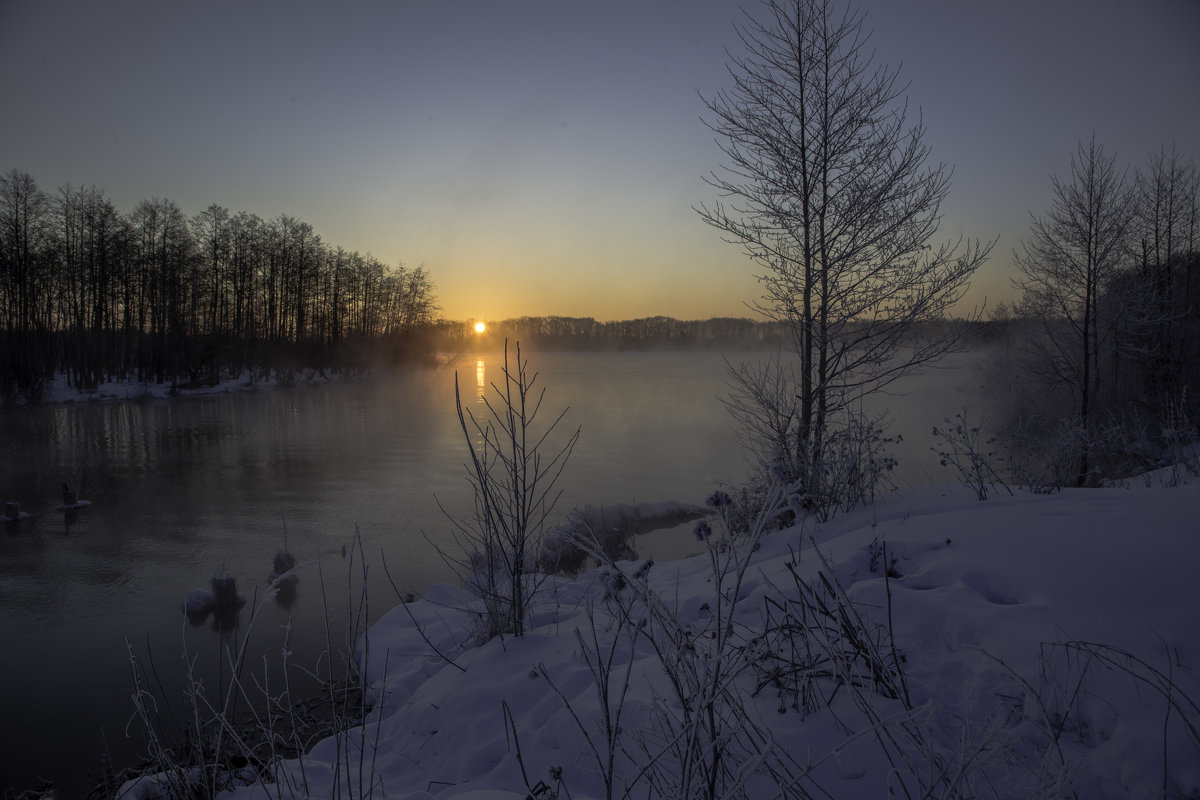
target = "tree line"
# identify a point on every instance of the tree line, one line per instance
(828, 188)
(1109, 312)
(153, 295)
(586, 333)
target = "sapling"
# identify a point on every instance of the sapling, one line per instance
(514, 485)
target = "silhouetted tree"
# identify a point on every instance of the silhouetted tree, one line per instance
(91, 253)
(26, 287)
(163, 249)
(98, 295)
(828, 188)
(213, 235)
(1165, 227)
(247, 255)
(1070, 258)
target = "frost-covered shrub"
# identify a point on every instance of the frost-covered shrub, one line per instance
(850, 466)
(1179, 439)
(961, 446)
(854, 467)
(738, 509)
(1047, 456)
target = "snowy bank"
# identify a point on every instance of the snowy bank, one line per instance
(60, 390)
(1038, 645)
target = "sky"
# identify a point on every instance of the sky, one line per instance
(543, 156)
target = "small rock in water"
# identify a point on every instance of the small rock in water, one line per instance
(284, 561)
(225, 595)
(198, 601)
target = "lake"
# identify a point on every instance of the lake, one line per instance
(180, 489)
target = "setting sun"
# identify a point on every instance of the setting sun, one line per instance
(480, 327)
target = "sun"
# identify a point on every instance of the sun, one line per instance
(480, 327)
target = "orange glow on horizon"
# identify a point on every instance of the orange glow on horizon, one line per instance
(480, 327)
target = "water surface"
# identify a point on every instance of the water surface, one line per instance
(181, 489)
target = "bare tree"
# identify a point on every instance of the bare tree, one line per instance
(212, 232)
(514, 474)
(90, 239)
(828, 188)
(247, 254)
(1166, 216)
(26, 286)
(1166, 207)
(1071, 256)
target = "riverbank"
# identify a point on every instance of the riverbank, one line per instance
(1028, 643)
(182, 488)
(60, 390)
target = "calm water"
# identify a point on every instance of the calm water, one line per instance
(180, 489)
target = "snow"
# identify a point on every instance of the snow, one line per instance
(78, 504)
(1050, 645)
(60, 390)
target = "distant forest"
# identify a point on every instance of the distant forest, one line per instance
(586, 333)
(154, 296)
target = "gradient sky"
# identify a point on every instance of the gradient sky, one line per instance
(543, 156)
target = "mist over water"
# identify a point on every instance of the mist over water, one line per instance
(181, 489)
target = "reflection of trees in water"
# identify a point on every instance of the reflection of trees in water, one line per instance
(224, 620)
(206, 465)
(283, 580)
(70, 520)
(218, 441)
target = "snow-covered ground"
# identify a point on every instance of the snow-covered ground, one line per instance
(1026, 646)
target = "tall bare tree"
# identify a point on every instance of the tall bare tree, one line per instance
(1166, 206)
(1165, 223)
(1071, 256)
(212, 232)
(828, 187)
(90, 242)
(26, 286)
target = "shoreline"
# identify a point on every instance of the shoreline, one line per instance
(60, 392)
